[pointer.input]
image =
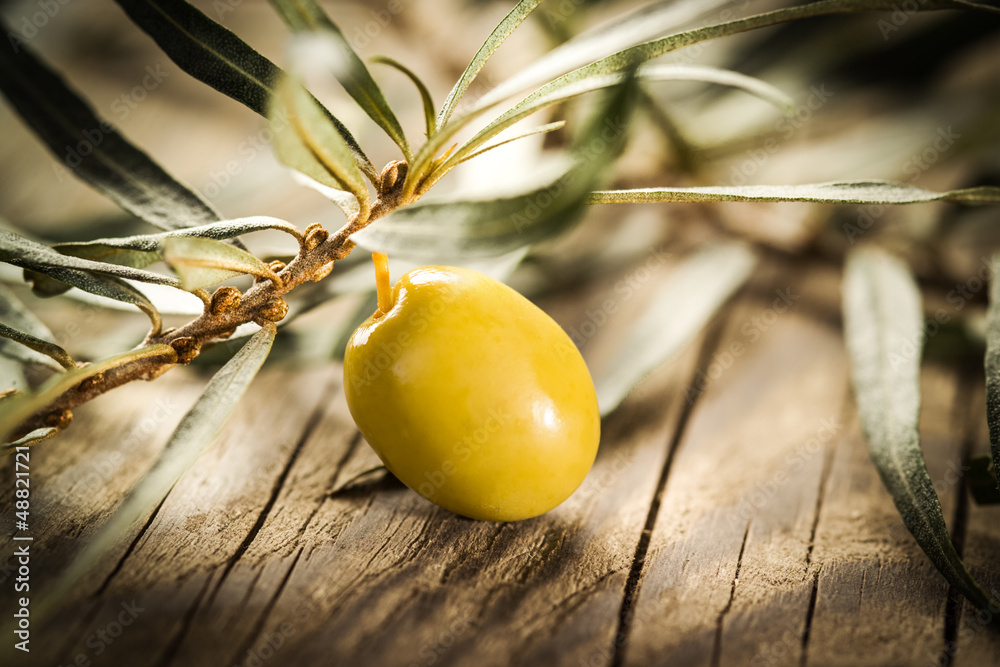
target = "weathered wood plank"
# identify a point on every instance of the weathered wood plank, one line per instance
(879, 600)
(726, 567)
(201, 525)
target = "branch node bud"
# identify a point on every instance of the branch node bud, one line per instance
(187, 349)
(225, 299)
(274, 310)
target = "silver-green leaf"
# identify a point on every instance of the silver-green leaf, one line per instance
(992, 364)
(26, 338)
(142, 250)
(883, 327)
(203, 262)
(456, 230)
(310, 143)
(308, 16)
(27, 254)
(217, 57)
(694, 292)
(492, 43)
(847, 192)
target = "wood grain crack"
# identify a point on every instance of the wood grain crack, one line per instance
(810, 612)
(966, 419)
(131, 547)
(717, 647)
(175, 644)
(258, 626)
(626, 613)
(279, 483)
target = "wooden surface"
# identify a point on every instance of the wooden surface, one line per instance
(733, 520)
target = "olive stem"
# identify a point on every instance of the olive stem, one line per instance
(382, 284)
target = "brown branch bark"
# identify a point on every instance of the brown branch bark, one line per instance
(263, 302)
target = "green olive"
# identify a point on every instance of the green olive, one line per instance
(472, 396)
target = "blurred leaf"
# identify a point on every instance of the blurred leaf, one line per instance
(307, 16)
(545, 98)
(50, 350)
(647, 50)
(91, 147)
(202, 262)
(33, 438)
(541, 129)
(849, 192)
(992, 363)
(641, 26)
(108, 287)
(883, 327)
(197, 429)
(425, 94)
(305, 140)
(15, 410)
(455, 230)
(695, 291)
(492, 43)
(983, 482)
(16, 316)
(20, 251)
(215, 56)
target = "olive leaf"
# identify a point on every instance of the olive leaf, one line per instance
(640, 26)
(202, 262)
(541, 129)
(682, 307)
(215, 56)
(454, 230)
(305, 140)
(142, 250)
(883, 327)
(91, 147)
(425, 95)
(26, 338)
(60, 271)
(50, 350)
(992, 363)
(655, 73)
(307, 16)
(108, 287)
(647, 50)
(196, 430)
(848, 192)
(492, 43)
(27, 254)
(33, 438)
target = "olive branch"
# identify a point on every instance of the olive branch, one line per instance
(203, 249)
